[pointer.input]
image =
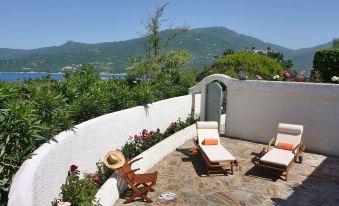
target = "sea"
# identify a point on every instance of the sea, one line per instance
(21, 76)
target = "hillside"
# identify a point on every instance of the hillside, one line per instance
(204, 44)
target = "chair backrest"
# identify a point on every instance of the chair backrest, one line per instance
(127, 172)
(289, 133)
(207, 130)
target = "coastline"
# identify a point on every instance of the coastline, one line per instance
(32, 72)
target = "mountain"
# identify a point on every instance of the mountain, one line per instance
(203, 43)
(303, 59)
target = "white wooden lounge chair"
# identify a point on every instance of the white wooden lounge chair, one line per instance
(288, 147)
(215, 156)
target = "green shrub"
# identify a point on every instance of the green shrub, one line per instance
(326, 62)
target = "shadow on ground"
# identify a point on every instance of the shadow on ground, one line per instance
(321, 187)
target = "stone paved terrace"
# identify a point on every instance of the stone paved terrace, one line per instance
(314, 182)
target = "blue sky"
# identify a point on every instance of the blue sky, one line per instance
(294, 24)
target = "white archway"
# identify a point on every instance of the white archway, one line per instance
(201, 88)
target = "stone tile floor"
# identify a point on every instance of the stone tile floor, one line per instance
(314, 182)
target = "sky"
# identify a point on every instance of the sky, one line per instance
(27, 24)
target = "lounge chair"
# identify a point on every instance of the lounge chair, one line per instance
(288, 147)
(147, 180)
(215, 156)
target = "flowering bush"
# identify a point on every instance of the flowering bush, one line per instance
(146, 139)
(140, 142)
(81, 189)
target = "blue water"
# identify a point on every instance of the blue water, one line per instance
(21, 76)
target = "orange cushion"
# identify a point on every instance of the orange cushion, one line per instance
(285, 146)
(210, 141)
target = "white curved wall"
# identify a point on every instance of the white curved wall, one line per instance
(39, 179)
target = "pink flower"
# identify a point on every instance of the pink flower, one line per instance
(144, 131)
(299, 79)
(96, 178)
(148, 136)
(174, 125)
(137, 137)
(287, 74)
(158, 130)
(73, 168)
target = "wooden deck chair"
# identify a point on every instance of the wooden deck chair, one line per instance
(215, 156)
(147, 180)
(288, 146)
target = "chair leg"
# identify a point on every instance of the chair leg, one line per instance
(141, 193)
(287, 171)
(150, 189)
(145, 198)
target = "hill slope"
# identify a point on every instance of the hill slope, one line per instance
(204, 44)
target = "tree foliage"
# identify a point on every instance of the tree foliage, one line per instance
(252, 64)
(287, 64)
(154, 43)
(335, 44)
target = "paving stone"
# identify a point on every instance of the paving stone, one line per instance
(314, 182)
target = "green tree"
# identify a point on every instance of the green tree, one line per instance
(335, 44)
(287, 64)
(154, 42)
(252, 64)
(155, 59)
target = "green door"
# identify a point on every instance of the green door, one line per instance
(214, 97)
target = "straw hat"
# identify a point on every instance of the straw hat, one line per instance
(114, 159)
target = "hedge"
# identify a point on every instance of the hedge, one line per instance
(326, 62)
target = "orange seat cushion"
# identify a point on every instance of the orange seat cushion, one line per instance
(211, 141)
(285, 146)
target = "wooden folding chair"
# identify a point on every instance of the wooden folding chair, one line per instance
(147, 180)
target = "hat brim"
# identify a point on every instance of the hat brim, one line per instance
(117, 165)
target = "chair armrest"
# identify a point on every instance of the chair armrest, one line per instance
(131, 162)
(270, 143)
(298, 147)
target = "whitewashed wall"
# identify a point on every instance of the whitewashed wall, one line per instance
(39, 179)
(254, 109)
